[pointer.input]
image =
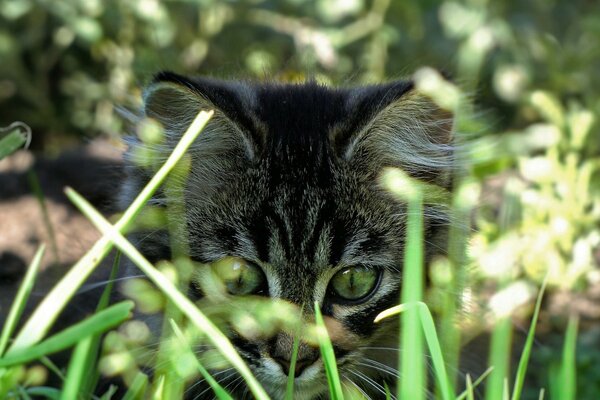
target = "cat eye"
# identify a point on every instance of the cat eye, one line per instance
(354, 283)
(239, 276)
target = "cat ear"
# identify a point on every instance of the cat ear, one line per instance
(175, 101)
(399, 127)
(174, 105)
(228, 141)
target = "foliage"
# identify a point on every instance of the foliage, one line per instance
(530, 121)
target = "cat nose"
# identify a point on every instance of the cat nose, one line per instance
(281, 351)
(301, 363)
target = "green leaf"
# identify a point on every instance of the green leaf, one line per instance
(95, 324)
(19, 135)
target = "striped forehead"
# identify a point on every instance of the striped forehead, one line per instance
(299, 228)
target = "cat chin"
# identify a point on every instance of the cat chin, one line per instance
(310, 385)
(309, 391)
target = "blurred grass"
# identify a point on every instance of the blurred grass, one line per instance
(530, 113)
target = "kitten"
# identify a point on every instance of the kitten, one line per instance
(284, 186)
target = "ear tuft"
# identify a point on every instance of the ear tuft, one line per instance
(173, 105)
(407, 131)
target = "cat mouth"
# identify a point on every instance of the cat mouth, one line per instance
(310, 384)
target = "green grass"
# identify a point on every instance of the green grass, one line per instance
(328, 356)
(419, 337)
(20, 299)
(19, 135)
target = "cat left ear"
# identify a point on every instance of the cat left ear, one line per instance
(402, 128)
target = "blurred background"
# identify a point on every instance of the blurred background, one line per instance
(530, 71)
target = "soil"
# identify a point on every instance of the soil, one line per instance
(93, 170)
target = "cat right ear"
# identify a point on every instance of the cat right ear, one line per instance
(398, 127)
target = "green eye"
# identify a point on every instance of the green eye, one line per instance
(239, 276)
(354, 283)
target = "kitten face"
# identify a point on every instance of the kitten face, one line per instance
(284, 181)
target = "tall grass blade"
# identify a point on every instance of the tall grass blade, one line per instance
(94, 351)
(567, 382)
(95, 324)
(214, 335)
(432, 340)
(47, 311)
(500, 350)
(328, 356)
(412, 367)
(289, 390)
(522, 369)
(21, 299)
(77, 374)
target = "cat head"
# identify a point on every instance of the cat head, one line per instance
(285, 184)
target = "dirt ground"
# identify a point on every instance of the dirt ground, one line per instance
(93, 170)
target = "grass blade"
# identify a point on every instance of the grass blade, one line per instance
(219, 391)
(76, 372)
(522, 369)
(289, 390)
(43, 391)
(95, 324)
(92, 357)
(411, 358)
(469, 390)
(567, 382)
(499, 358)
(138, 387)
(477, 382)
(435, 350)
(21, 299)
(431, 337)
(47, 311)
(79, 380)
(214, 335)
(333, 378)
(412, 367)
